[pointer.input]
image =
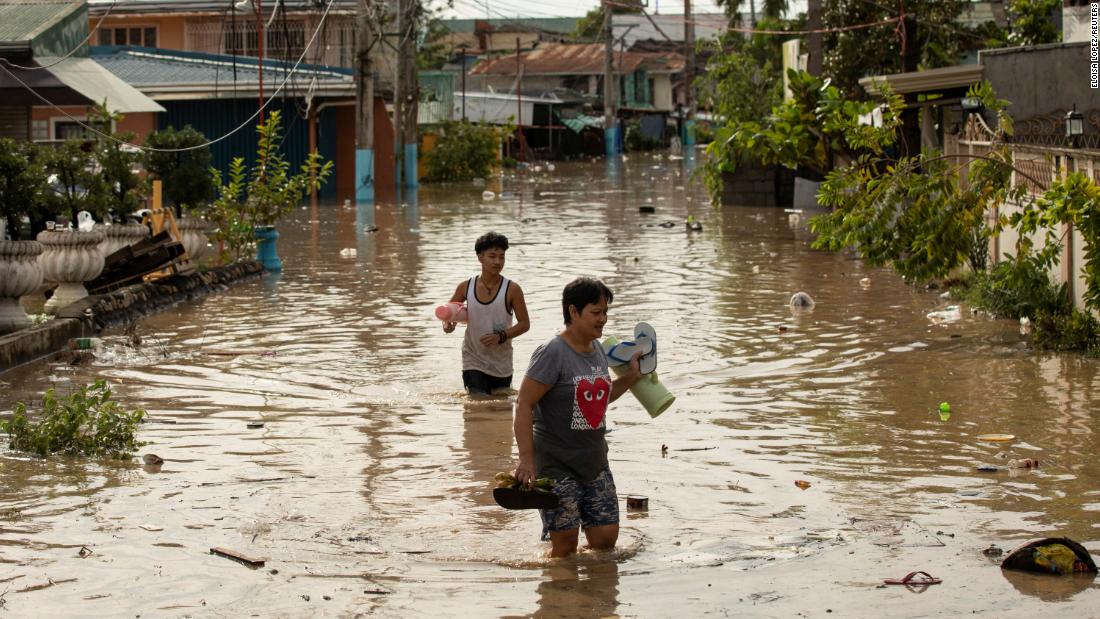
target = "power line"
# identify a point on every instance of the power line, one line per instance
(72, 51)
(112, 138)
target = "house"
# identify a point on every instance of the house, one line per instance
(644, 79)
(643, 89)
(46, 67)
(219, 96)
(485, 36)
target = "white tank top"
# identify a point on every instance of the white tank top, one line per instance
(483, 318)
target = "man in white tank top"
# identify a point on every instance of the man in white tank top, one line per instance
(496, 313)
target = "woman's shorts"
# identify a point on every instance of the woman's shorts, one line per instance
(591, 504)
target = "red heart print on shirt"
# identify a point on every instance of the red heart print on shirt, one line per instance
(592, 400)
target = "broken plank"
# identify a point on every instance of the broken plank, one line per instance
(237, 556)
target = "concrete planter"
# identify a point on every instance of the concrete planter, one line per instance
(117, 236)
(193, 236)
(20, 274)
(70, 258)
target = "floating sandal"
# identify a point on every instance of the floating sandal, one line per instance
(914, 579)
(645, 342)
(518, 498)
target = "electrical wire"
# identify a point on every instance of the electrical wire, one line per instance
(71, 52)
(112, 138)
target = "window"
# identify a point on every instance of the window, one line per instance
(141, 36)
(40, 130)
(284, 40)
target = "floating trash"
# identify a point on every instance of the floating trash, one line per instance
(802, 300)
(348, 252)
(487, 195)
(949, 314)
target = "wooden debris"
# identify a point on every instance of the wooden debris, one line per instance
(237, 556)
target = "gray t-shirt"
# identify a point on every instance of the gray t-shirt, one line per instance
(569, 420)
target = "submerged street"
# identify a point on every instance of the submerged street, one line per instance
(368, 487)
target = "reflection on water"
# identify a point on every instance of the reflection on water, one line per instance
(373, 471)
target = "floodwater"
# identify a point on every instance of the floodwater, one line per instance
(367, 490)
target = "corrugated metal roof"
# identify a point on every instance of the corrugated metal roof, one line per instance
(160, 71)
(555, 59)
(98, 84)
(23, 20)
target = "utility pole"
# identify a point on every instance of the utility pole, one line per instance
(260, 52)
(688, 139)
(364, 107)
(610, 130)
(463, 83)
(519, 102)
(407, 93)
(813, 40)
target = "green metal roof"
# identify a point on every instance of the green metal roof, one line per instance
(48, 27)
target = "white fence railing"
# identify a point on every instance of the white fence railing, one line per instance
(1036, 168)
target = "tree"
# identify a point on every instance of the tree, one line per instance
(185, 172)
(266, 193)
(917, 214)
(78, 184)
(117, 162)
(435, 51)
(770, 9)
(817, 130)
(22, 186)
(1030, 22)
(932, 38)
(590, 27)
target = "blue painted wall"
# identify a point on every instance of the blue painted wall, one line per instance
(216, 118)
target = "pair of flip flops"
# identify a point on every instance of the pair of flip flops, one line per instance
(914, 579)
(518, 497)
(645, 342)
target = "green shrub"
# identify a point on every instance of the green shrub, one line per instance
(465, 151)
(635, 140)
(1017, 288)
(84, 423)
(1075, 330)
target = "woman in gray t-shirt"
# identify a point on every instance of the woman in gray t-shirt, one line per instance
(560, 422)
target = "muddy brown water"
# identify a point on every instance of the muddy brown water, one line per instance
(367, 488)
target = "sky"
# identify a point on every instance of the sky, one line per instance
(575, 8)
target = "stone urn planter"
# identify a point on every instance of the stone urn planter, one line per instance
(70, 258)
(193, 236)
(266, 252)
(117, 236)
(20, 274)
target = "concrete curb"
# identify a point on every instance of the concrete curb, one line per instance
(92, 314)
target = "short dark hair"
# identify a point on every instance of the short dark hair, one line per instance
(581, 292)
(490, 240)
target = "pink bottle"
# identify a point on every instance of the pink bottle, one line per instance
(451, 312)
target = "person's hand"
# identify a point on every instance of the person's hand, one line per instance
(635, 367)
(490, 339)
(449, 326)
(525, 473)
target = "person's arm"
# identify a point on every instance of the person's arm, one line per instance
(519, 307)
(458, 297)
(515, 301)
(530, 392)
(626, 381)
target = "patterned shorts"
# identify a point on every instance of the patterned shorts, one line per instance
(591, 504)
